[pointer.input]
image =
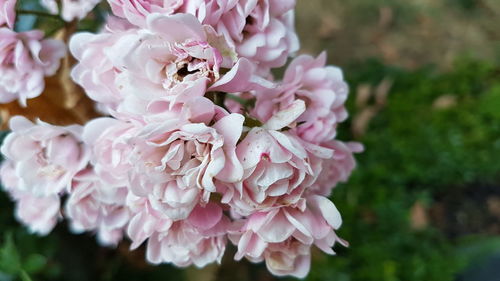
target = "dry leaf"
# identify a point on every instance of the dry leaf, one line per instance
(445, 102)
(494, 206)
(418, 216)
(363, 94)
(361, 121)
(329, 25)
(386, 17)
(382, 92)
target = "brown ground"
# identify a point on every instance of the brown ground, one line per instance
(406, 33)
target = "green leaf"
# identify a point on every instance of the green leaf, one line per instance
(34, 263)
(24, 276)
(475, 248)
(9, 256)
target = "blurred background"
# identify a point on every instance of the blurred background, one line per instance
(424, 202)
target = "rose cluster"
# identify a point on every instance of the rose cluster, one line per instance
(199, 144)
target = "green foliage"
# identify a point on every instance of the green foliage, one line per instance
(19, 258)
(414, 152)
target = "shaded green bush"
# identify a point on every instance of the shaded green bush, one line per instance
(415, 152)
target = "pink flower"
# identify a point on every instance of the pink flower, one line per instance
(39, 213)
(108, 139)
(322, 88)
(198, 240)
(174, 60)
(45, 157)
(96, 206)
(8, 13)
(25, 58)
(278, 166)
(262, 31)
(283, 237)
(336, 169)
(145, 221)
(175, 166)
(71, 9)
(288, 258)
(136, 11)
(95, 72)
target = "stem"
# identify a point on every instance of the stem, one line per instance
(38, 13)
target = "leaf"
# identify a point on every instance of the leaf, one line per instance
(34, 263)
(9, 257)
(475, 248)
(418, 216)
(24, 276)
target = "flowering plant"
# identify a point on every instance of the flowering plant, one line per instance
(194, 143)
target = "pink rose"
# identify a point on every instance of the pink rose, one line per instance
(8, 13)
(39, 213)
(136, 11)
(278, 166)
(198, 240)
(283, 237)
(322, 88)
(173, 60)
(175, 166)
(336, 169)
(71, 9)
(262, 31)
(108, 139)
(145, 221)
(45, 157)
(95, 72)
(96, 206)
(25, 59)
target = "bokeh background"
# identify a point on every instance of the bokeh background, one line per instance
(424, 201)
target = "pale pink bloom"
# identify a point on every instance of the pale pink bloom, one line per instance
(10, 181)
(260, 30)
(95, 72)
(174, 59)
(94, 205)
(175, 166)
(336, 169)
(321, 87)
(25, 59)
(8, 13)
(71, 9)
(39, 214)
(199, 240)
(136, 11)
(108, 139)
(45, 157)
(145, 221)
(278, 166)
(283, 237)
(291, 258)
